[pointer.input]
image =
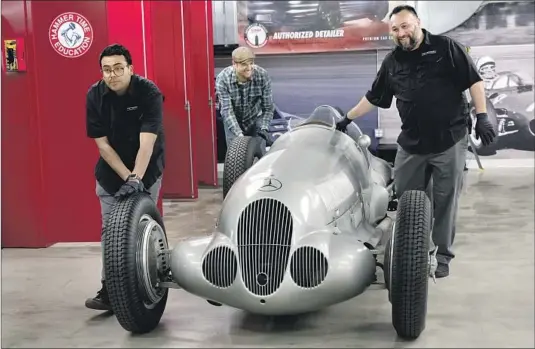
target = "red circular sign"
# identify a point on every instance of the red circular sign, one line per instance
(70, 34)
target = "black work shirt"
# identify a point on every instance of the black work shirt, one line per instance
(121, 119)
(428, 84)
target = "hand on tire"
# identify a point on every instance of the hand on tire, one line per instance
(130, 187)
(484, 129)
(264, 134)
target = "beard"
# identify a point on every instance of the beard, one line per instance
(407, 45)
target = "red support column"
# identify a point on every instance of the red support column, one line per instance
(173, 74)
(200, 50)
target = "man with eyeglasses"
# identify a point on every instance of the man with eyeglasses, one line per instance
(245, 98)
(124, 117)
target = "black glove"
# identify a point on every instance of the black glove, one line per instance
(264, 134)
(342, 124)
(484, 129)
(131, 186)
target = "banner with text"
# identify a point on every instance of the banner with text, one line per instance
(314, 26)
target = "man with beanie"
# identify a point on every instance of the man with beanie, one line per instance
(245, 98)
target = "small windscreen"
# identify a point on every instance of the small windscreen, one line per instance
(324, 115)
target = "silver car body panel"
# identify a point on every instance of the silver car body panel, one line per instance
(296, 230)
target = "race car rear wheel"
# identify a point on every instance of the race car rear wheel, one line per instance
(135, 262)
(241, 155)
(409, 264)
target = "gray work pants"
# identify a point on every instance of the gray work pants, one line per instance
(107, 201)
(447, 173)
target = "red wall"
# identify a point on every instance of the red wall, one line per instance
(173, 75)
(52, 188)
(21, 166)
(48, 185)
(199, 20)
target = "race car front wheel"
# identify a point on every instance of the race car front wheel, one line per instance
(408, 264)
(241, 155)
(136, 262)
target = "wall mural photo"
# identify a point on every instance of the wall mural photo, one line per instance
(308, 72)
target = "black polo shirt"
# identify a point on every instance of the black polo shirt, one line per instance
(121, 119)
(428, 84)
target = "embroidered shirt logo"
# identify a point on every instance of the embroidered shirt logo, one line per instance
(429, 53)
(131, 108)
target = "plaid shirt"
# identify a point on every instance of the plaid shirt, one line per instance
(243, 104)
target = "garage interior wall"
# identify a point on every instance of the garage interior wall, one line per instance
(47, 160)
(47, 176)
(303, 81)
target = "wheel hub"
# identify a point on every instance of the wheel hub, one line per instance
(153, 262)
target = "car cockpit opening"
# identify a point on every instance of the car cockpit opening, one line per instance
(324, 115)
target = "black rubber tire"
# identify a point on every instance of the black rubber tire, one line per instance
(240, 156)
(410, 264)
(123, 235)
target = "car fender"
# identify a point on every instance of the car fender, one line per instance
(519, 119)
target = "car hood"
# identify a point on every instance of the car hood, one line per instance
(313, 178)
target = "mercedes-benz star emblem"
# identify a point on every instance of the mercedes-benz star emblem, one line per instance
(270, 184)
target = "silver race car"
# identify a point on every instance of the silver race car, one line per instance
(300, 229)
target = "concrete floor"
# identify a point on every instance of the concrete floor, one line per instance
(488, 300)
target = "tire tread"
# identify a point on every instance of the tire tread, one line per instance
(410, 264)
(239, 158)
(121, 236)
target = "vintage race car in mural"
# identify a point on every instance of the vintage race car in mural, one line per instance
(299, 230)
(511, 108)
(312, 15)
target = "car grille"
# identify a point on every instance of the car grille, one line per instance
(265, 231)
(308, 267)
(220, 266)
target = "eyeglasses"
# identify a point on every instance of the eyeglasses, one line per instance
(118, 71)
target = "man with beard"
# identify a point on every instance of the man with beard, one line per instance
(245, 98)
(427, 74)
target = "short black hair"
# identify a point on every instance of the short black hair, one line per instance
(400, 8)
(116, 50)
